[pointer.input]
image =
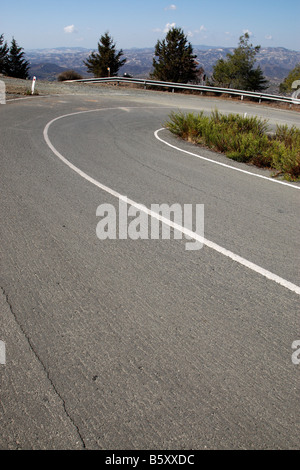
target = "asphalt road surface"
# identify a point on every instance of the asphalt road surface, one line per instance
(142, 344)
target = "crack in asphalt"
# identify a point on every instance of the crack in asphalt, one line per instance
(43, 366)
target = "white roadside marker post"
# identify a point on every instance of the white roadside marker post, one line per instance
(2, 353)
(33, 85)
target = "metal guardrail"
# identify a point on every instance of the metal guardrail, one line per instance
(187, 86)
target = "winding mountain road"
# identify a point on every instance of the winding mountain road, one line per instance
(141, 344)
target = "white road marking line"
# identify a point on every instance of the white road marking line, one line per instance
(26, 98)
(229, 254)
(222, 164)
(44, 96)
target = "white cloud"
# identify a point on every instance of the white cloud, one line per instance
(171, 7)
(70, 29)
(168, 27)
(201, 29)
(269, 37)
(247, 31)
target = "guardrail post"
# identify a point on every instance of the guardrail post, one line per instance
(145, 85)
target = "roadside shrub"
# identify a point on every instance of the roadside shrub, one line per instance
(242, 138)
(286, 151)
(184, 125)
(248, 148)
(68, 75)
(290, 136)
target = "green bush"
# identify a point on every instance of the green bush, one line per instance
(68, 75)
(286, 151)
(242, 138)
(184, 125)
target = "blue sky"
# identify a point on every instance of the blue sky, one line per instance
(37, 24)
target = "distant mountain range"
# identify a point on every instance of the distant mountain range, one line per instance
(47, 64)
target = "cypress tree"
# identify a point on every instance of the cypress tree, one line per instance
(3, 54)
(175, 60)
(17, 66)
(106, 57)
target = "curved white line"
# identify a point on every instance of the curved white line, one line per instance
(220, 163)
(26, 98)
(229, 254)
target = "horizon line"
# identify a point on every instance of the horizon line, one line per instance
(153, 47)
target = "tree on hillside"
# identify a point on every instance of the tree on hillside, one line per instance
(106, 58)
(17, 66)
(286, 85)
(174, 60)
(3, 54)
(237, 71)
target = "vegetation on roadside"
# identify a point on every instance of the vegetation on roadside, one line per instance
(242, 138)
(69, 75)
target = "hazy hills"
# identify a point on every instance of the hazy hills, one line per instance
(49, 63)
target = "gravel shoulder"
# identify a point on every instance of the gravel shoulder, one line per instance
(15, 88)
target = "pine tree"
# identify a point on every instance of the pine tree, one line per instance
(256, 80)
(238, 70)
(3, 54)
(17, 66)
(175, 59)
(106, 58)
